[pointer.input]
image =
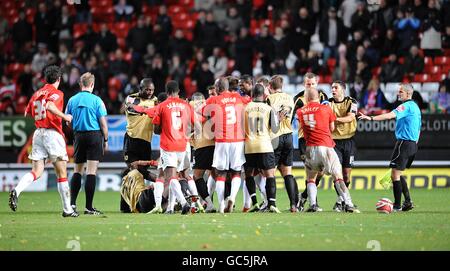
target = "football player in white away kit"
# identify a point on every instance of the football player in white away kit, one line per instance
(46, 107)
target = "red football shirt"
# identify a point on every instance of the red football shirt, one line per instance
(226, 111)
(37, 108)
(174, 115)
(315, 120)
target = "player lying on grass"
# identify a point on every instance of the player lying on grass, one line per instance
(140, 198)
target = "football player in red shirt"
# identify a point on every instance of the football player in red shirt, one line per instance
(226, 116)
(317, 122)
(173, 120)
(46, 106)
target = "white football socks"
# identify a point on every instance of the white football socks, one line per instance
(220, 190)
(211, 185)
(235, 186)
(176, 188)
(24, 182)
(192, 187)
(312, 193)
(64, 192)
(343, 191)
(158, 189)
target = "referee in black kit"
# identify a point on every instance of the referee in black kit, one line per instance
(90, 140)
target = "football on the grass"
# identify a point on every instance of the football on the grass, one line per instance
(385, 206)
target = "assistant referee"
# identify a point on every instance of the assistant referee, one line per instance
(407, 131)
(90, 141)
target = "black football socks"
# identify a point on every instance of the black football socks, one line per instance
(75, 186)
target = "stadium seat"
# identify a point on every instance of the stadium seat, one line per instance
(122, 43)
(438, 77)
(327, 79)
(187, 3)
(447, 52)
(376, 71)
(401, 60)
(21, 105)
(15, 69)
(121, 29)
(446, 69)
(114, 84)
(442, 60)
(422, 77)
(428, 61)
(432, 69)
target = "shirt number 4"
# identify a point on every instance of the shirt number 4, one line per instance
(309, 121)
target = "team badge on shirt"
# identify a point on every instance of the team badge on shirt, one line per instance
(400, 108)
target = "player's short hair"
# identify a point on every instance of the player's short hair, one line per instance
(258, 90)
(263, 80)
(276, 82)
(311, 75)
(197, 96)
(210, 87)
(222, 84)
(340, 83)
(145, 82)
(172, 87)
(407, 87)
(312, 94)
(86, 79)
(247, 79)
(52, 73)
(233, 82)
(162, 97)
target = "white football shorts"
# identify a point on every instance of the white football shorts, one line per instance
(48, 144)
(320, 158)
(178, 160)
(229, 155)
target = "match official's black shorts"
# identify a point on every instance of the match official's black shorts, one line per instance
(283, 150)
(263, 161)
(88, 146)
(135, 149)
(204, 158)
(302, 148)
(403, 154)
(346, 150)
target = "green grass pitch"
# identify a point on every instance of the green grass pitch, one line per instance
(38, 225)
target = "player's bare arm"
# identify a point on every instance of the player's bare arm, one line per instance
(104, 128)
(332, 126)
(349, 118)
(55, 111)
(385, 116)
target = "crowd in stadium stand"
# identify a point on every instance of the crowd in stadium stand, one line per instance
(195, 41)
